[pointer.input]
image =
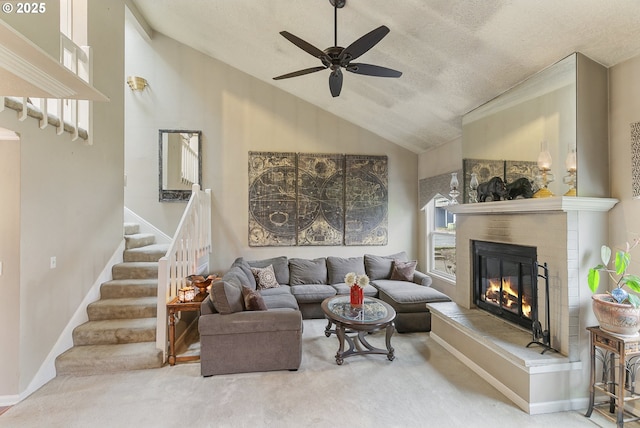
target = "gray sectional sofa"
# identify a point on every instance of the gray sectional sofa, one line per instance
(235, 340)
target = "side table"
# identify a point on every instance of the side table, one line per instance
(173, 307)
(620, 356)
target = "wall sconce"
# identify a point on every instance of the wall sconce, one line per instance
(137, 83)
(570, 179)
(545, 177)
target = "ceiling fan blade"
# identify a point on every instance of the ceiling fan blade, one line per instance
(335, 82)
(363, 44)
(300, 72)
(373, 70)
(305, 46)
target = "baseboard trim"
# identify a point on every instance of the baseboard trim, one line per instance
(511, 395)
(9, 400)
(47, 370)
(530, 408)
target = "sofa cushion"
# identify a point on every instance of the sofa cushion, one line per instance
(403, 271)
(280, 301)
(280, 267)
(283, 289)
(253, 301)
(304, 271)
(339, 267)
(265, 277)
(379, 267)
(343, 288)
(408, 297)
(244, 266)
(312, 293)
(226, 297)
(237, 277)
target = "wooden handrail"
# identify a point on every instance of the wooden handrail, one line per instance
(187, 255)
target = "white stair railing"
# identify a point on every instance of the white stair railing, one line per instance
(187, 255)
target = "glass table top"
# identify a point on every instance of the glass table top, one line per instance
(371, 310)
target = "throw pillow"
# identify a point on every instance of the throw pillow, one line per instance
(265, 277)
(253, 301)
(403, 271)
(280, 267)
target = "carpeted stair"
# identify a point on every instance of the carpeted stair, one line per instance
(121, 331)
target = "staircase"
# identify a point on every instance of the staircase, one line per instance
(121, 331)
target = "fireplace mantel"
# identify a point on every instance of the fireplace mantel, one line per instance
(556, 203)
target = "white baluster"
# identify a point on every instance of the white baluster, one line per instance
(44, 106)
(22, 114)
(60, 127)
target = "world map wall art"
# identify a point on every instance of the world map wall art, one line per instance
(317, 199)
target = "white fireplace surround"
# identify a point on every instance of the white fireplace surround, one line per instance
(568, 233)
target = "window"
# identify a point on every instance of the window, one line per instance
(441, 238)
(76, 56)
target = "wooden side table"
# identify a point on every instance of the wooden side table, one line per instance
(609, 349)
(173, 307)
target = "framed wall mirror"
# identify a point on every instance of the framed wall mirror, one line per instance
(180, 163)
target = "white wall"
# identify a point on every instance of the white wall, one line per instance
(237, 114)
(43, 29)
(624, 109)
(70, 204)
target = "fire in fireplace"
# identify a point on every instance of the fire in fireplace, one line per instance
(505, 281)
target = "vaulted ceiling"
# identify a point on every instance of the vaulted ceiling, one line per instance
(455, 55)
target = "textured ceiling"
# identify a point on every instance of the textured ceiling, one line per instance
(454, 54)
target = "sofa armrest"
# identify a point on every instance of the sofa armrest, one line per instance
(250, 322)
(422, 279)
(206, 307)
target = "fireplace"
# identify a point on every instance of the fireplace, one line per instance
(564, 231)
(505, 281)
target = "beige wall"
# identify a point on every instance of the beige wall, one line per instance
(43, 29)
(624, 109)
(70, 204)
(440, 160)
(9, 257)
(237, 114)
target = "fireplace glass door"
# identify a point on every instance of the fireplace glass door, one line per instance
(505, 280)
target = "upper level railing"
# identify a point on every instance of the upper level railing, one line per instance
(187, 255)
(66, 115)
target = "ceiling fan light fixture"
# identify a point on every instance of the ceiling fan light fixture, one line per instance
(336, 57)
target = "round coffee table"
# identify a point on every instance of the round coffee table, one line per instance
(374, 315)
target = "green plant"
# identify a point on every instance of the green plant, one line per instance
(618, 274)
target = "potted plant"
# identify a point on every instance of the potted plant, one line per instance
(617, 311)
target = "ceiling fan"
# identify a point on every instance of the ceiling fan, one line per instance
(336, 58)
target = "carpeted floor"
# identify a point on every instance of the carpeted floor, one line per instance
(424, 386)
